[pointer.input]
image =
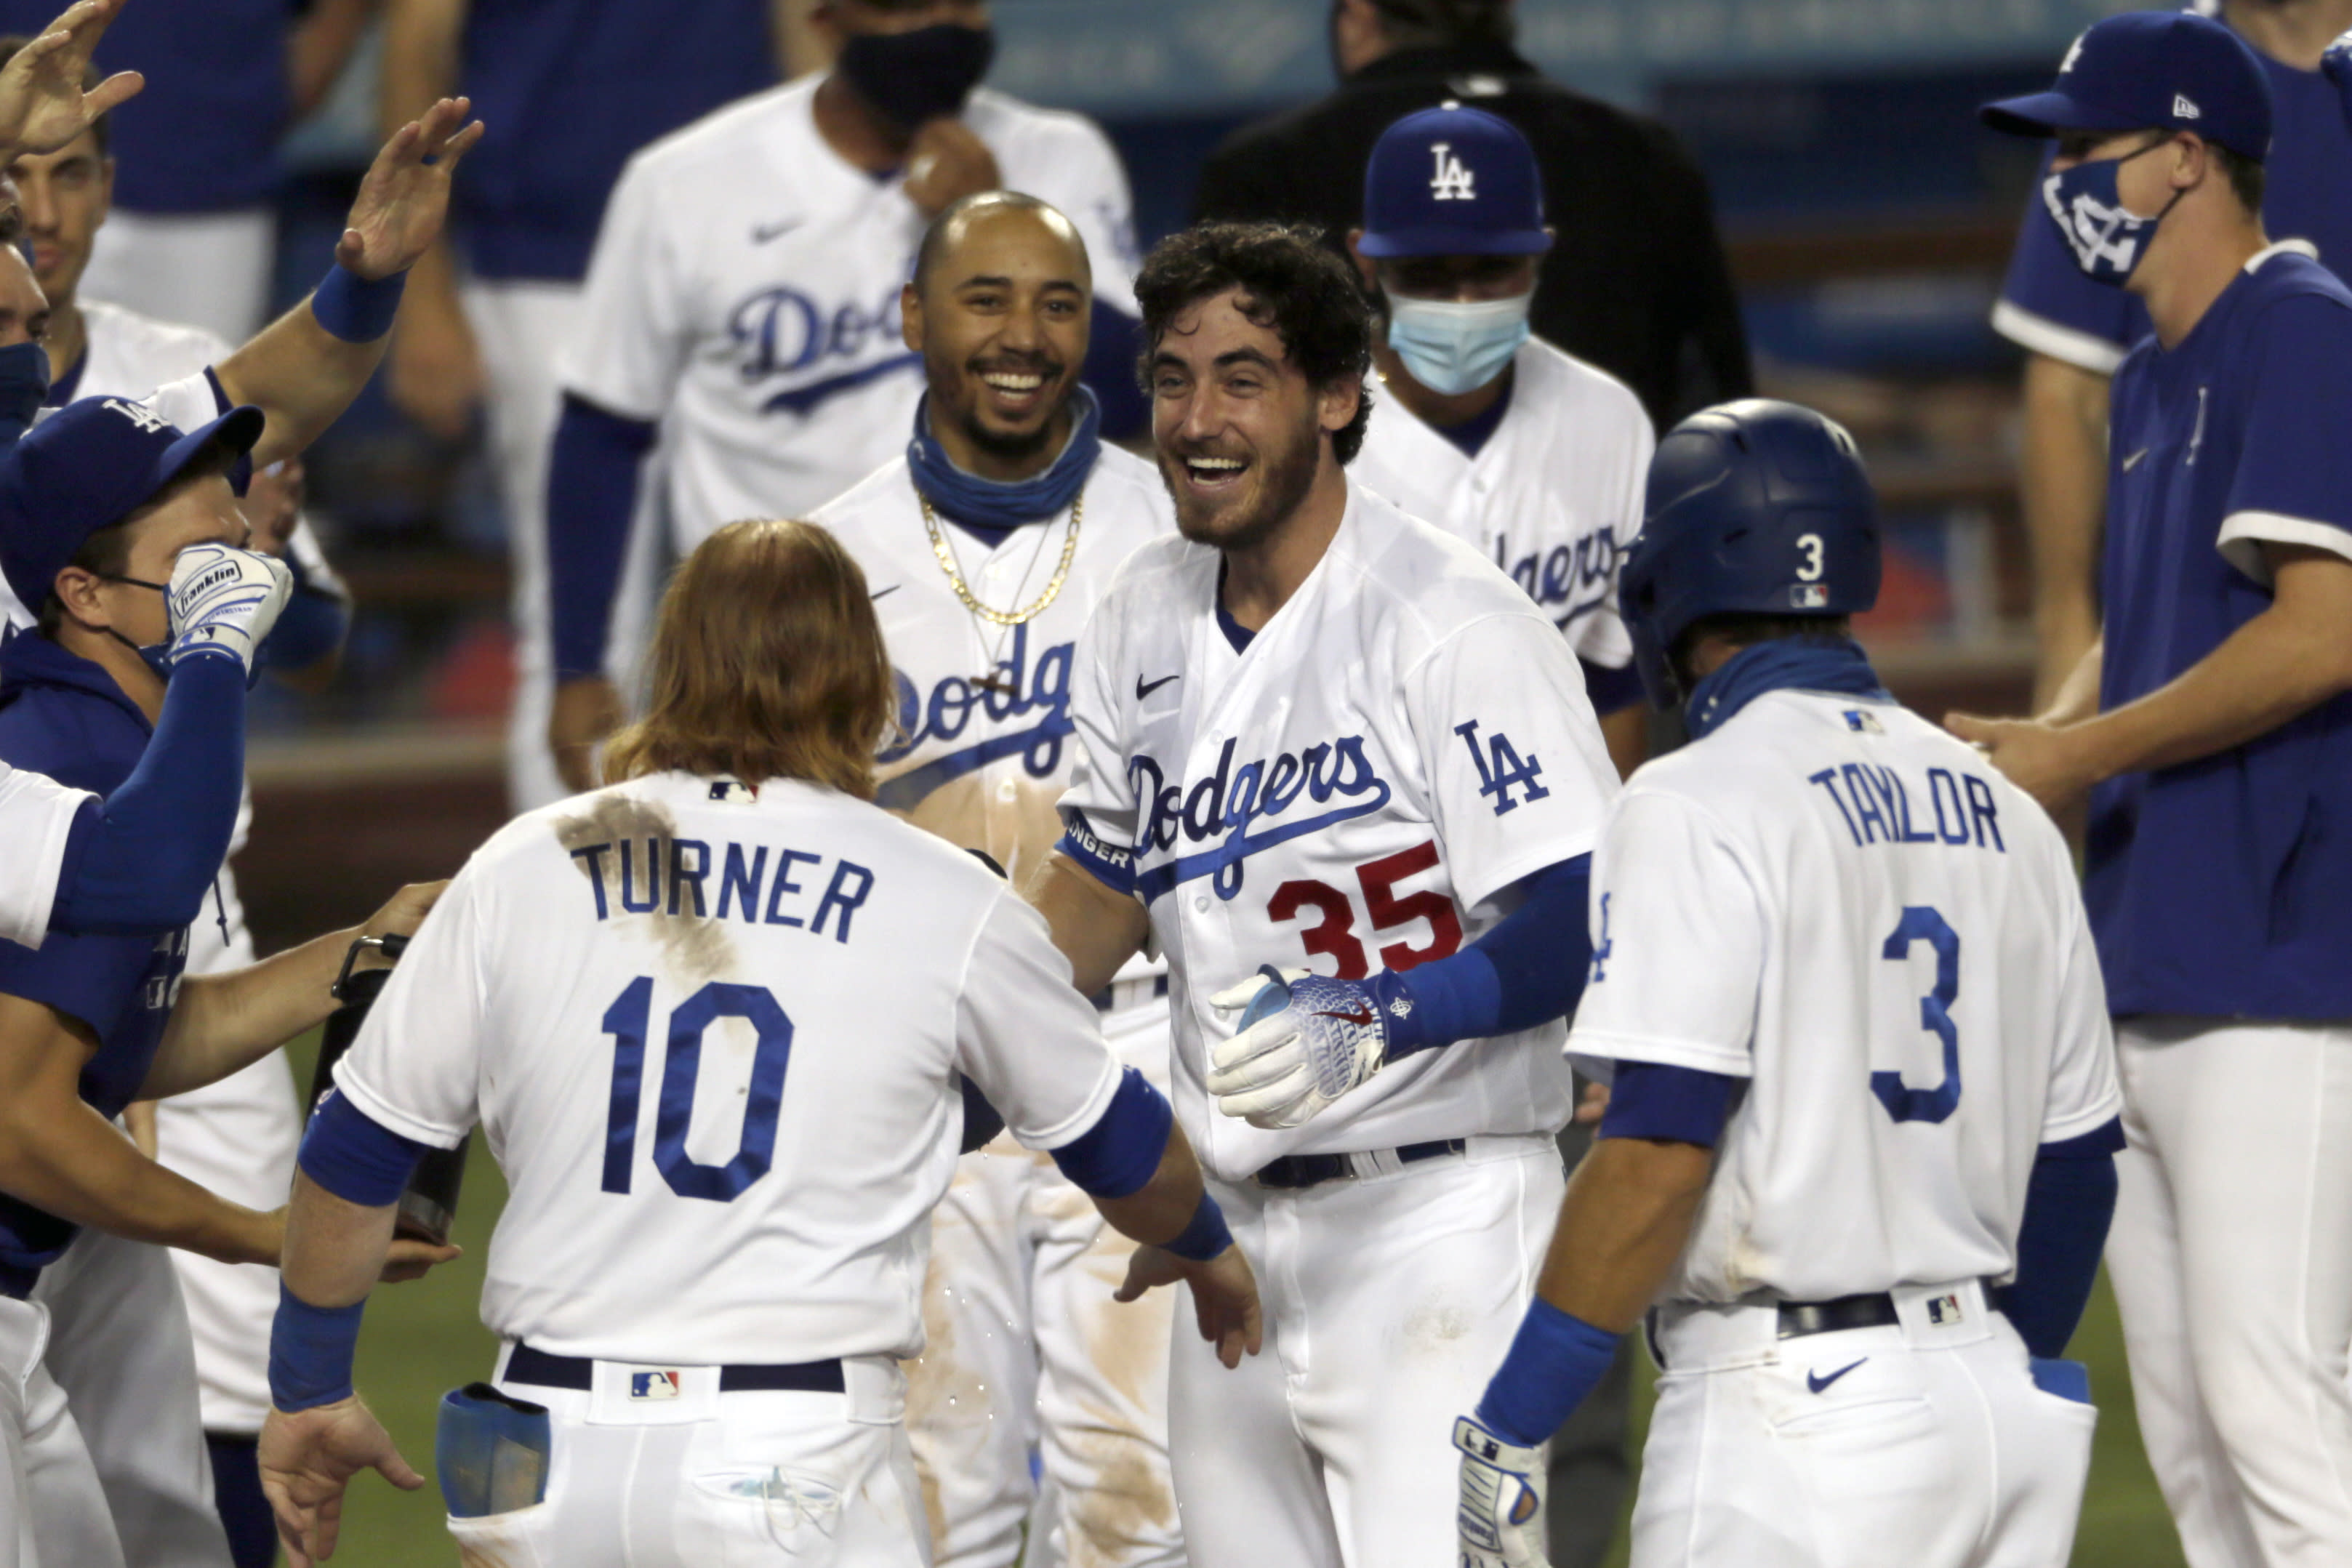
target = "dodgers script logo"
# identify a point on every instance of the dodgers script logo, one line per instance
(1452, 182)
(1222, 811)
(781, 332)
(1014, 690)
(1573, 581)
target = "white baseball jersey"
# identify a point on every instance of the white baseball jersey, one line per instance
(745, 287)
(711, 1032)
(1402, 742)
(37, 817)
(983, 751)
(1835, 900)
(1554, 496)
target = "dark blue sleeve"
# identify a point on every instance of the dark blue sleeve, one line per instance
(1119, 1153)
(592, 494)
(1527, 970)
(309, 628)
(2294, 471)
(144, 861)
(2069, 1200)
(1115, 341)
(1610, 690)
(356, 1158)
(1680, 1104)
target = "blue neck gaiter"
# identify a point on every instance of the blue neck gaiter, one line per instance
(990, 504)
(1800, 664)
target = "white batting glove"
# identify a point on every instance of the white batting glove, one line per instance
(1303, 1043)
(223, 600)
(1500, 1519)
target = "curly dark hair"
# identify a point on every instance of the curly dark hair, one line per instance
(1293, 285)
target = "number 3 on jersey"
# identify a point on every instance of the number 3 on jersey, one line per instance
(1922, 923)
(626, 1021)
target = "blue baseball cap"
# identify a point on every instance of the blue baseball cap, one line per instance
(2149, 69)
(1454, 182)
(88, 466)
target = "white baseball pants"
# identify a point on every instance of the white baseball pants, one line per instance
(52, 1510)
(1389, 1302)
(2232, 1256)
(213, 270)
(1025, 1345)
(716, 1480)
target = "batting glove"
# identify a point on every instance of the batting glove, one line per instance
(223, 601)
(1303, 1043)
(1499, 1517)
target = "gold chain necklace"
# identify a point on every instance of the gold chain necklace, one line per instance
(1003, 617)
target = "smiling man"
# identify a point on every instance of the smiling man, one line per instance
(986, 547)
(1316, 734)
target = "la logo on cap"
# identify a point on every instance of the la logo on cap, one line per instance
(1451, 181)
(2183, 109)
(140, 414)
(2073, 54)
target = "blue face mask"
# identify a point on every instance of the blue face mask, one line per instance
(23, 387)
(1453, 347)
(2107, 238)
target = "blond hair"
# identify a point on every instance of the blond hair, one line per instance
(767, 662)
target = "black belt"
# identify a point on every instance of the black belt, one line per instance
(1106, 998)
(1314, 1170)
(1798, 1319)
(576, 1372)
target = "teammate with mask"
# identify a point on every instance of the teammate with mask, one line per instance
(1862, 1076)
(744, 297)
(2211, 728)
(1528, 453)
(988, 545)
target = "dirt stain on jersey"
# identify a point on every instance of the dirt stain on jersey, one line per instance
(693, 948)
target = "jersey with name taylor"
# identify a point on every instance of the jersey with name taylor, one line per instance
(1836, 901)
(1554, 496)
(745, 289)
(1402, 742)
(984, 750)
(712, 1032)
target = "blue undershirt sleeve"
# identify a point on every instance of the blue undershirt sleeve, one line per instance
(143, 860)
(1117, 1154)
(2069, 1200)
(591, 493)
(355, 1157)
(1679, 1104)
(311, 627)
(1527, 970)
(1609, 690)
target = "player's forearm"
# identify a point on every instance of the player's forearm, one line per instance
(1097, 926)
(319, 46)
(1165, 1205)
(301, 376)
(223, 1023)
(420, 57)
(61, 1156)
(2077, 697)
(1624, 1221)
(2062, 480)
(335, 1249)
(1627, 734)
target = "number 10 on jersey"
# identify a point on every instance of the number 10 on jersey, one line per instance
(627, 1020)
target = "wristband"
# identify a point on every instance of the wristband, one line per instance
(1204, 1237)
(1555, 1360)
(311, 1351)
(354, 309)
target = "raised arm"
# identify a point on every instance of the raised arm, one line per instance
(42, 104)
(436, 371)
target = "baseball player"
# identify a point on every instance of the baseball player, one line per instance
(237, 1137)
(732, 1393)
(2075, 332)
(745, 293)
(1324, 740)
(1863, 1079)
(988, 544)
(1501, 439)
(2209, 729)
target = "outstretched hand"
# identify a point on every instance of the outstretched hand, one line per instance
(404, 202)
(307, 1459)
(42, 104)
(1225, 1296)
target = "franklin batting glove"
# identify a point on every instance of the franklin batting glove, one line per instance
(1501, 1513)
(223, 601)
(1303, 1043)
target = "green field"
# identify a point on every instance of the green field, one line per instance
(422, 1339)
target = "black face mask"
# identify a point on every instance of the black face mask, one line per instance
(911, 77)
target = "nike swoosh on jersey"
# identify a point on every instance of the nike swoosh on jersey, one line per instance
(1360, 1018)
(1816, 1382)
(2133, 461)
(762, 233)
(804, 400)
(1144, 689)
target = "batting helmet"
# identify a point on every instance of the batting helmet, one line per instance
(1755, 507)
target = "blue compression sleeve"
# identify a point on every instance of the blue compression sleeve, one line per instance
(355, 1157)
(143, 861)
(311, 1351)
(1527, 970)
(592, 494)
(1555, 1360)
(1682, 1105)
(309, 628)
(1117, 1154)
(2069, 1200)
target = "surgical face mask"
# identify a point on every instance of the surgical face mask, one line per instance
(1454, 347)
(23, 387)
(912, 78)
(2108, 239)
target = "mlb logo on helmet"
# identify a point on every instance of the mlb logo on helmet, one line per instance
(654, 1385)
(1943, 1311)
(1809, 596)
